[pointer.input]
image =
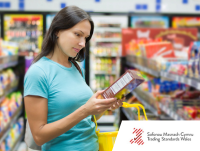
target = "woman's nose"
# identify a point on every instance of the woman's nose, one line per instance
(82, 43)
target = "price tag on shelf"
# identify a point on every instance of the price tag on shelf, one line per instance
(160, 105)
(198, 85)
(164, 108)
(175, 116)
(182, 80)
(171, 76)
(168, 111)
(189, 82)
(194, 83)
(172, 114)
(176, 78)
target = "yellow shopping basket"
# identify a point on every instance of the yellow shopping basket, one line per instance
(107, 139)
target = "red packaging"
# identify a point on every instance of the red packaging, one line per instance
(163, 49)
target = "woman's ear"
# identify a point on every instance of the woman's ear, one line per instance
(57, 34)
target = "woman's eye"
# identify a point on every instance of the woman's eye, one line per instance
(77, 34)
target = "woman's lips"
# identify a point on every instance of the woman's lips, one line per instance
(77, 50)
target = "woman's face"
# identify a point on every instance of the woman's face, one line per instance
(72, 40)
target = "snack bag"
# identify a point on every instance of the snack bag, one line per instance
(124, 85)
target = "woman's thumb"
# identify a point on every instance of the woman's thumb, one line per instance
(98, 93)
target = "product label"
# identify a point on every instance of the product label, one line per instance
(121, 83)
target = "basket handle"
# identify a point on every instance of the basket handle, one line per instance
(95, 123)
(127, 105)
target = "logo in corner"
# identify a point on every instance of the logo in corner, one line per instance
(138, 139)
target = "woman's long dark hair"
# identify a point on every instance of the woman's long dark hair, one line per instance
(65, 19)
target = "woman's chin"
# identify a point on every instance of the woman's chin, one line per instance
(72, 56)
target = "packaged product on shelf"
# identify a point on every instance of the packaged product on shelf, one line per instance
(194, 60)
(125, 84)
(9, 48)
(8, 107)
(13, 136)
(178, 69)
(160, 49)
(103, 81)
(26, 29)
(107, 35)
(180, 38)
(190, 95)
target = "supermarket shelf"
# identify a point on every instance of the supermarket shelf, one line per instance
(189, 81)
(18, 142)
(7, 65)
(108, 40)
(169, 112)
(5, 132)
(8, 92)
(104, 56)
(182, 79)
(129, 114)
(106, 128)
(106, 73)
(106, 119)
(146, 105)
(107, 29)
(147, 70)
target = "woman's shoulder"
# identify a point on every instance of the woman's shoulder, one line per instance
(41, 67)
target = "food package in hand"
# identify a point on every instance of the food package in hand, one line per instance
(124, 85)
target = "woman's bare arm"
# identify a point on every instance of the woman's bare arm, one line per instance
(36, 109)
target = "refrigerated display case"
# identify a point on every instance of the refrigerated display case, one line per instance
(105, 50)
(26, 29)
(105, 56)
(149, 21)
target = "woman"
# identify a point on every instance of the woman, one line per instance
(58, 102)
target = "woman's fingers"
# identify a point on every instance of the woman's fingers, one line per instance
(112, 105)
(118, 103)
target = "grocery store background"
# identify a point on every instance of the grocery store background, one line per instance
(159, 38)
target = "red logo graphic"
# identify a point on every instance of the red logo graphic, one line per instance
(138, 139)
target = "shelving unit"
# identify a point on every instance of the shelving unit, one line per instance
(145, 103)
(108, 40)
(105, 53)
(182, 79)
(129, 114)
(104, 56)
(8, 92)
(5, 132)
(110, 29)
(7, 62)
(106, 119)
(145, 69)
(105, 73)
(17, 142)
(170, 113)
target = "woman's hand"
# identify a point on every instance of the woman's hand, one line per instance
(97, 106)
(117, 104)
